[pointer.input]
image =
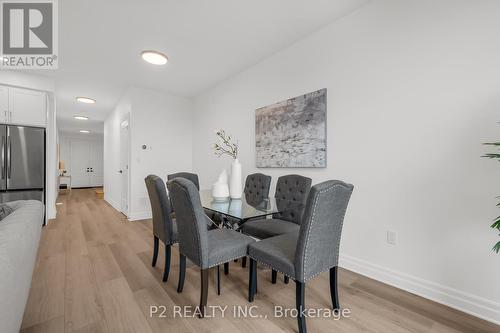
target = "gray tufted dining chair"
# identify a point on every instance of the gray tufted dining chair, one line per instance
(257, 188)
(311, 251)
(205, 248)
(194, 178)
(164, 228)
(291, 194)
(187, 175)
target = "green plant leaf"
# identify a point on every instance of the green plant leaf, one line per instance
(496, 223)
(496, 248)
(491, 155)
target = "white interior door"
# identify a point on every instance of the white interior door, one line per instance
(80, 163)
(96, 163)
(124, 163)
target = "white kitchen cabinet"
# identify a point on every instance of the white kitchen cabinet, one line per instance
(27, 107)
(23, 107)
(4, 104)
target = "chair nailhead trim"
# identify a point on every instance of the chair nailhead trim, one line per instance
(310, 226)
(223, 262)
(200, 259)
(274, 269)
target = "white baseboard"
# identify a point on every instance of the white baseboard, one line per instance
(140, 216)
(471, 304)
(132, 216)
(113, 204)
(51, 212)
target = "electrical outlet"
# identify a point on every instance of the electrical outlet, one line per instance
(392, 237)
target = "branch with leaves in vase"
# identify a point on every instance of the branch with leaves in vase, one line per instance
(225, 146)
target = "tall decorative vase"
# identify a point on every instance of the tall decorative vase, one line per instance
(235, 188)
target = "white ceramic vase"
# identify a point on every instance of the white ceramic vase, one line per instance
(235, 189)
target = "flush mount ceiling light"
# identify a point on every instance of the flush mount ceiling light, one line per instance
(84, 131)
(85, 100)
(81, 117)
(154, 57)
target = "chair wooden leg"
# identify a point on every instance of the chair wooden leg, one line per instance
(299, 301)
(287, 279)
(166, 271)
(274, 276)
(226, 268)
(204, 291)
(334, 291)
(182, 272)
(252, 280)
(156, 244)
(218, 280)
(256, 288)
(244, 262)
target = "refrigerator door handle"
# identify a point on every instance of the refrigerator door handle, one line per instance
(9, 160)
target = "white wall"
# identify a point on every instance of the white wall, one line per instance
(35, 82)
(413, 90)
(52, 170)
(163, 123)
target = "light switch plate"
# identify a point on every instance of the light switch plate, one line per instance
(392, 237)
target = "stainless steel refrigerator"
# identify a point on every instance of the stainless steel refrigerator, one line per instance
(22, 163)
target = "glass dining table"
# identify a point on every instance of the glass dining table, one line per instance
(235, 212)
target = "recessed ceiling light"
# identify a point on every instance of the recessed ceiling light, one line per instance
(84, 131)
(85, 100)
(81, 117)
(154, 57)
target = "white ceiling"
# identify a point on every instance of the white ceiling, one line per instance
(206, 42)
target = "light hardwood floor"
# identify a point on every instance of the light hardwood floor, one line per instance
(94, 274)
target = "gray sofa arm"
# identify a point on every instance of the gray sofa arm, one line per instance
(19, 238)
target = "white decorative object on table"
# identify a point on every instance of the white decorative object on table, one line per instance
(235, 189)
(220, 189)
(226, 147)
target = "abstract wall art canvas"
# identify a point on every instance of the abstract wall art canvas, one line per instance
(292, 133)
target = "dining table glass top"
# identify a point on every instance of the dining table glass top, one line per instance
(241, 209)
